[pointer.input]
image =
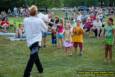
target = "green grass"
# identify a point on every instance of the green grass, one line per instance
(16, 21)
(14, 56)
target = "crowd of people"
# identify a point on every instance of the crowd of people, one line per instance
(18, 12)
(67, 33)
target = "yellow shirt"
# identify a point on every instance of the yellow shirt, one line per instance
(77, 34)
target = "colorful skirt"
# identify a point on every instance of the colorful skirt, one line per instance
(67, 44)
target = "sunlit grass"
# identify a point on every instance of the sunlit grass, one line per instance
(14, 56)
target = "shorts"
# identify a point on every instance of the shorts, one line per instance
(60, 36)
(44, 34)
(75, 44)
(54, 41)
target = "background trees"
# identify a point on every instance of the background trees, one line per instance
(5, 4)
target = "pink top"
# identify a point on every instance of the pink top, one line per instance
(60, 28)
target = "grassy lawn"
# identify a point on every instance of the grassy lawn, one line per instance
(14, 56)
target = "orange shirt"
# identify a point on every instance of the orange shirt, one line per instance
(77, 34)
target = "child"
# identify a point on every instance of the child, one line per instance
(53, 36)
(20, 31)
(109, 40)
(5, 24)
(77, 37)
(60, 33)
(67, 43)
(88, 26)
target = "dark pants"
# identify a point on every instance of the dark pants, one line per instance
(96, 33)
(34, 58)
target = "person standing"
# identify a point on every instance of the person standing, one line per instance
(46, 19)
(67, 39)
(109, 33)
(77, 38)
(34, 27)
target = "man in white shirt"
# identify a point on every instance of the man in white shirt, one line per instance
(97, 26)
(45, 18)
(79, 17)
(34, 27)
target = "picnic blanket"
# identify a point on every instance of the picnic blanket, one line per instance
(12, 36)
(7, 34)
(16, 39)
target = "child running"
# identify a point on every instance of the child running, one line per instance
(77, 37)
(67, 41)
(109, 40)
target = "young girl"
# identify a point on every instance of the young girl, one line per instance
(60, 33)
(109, 40)
(20, 31)
(67, 41)
(77, 37)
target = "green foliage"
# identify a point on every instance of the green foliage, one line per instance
(55, 3)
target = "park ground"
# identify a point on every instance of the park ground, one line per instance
(14, 56)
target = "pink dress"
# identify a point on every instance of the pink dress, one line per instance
(60, 29)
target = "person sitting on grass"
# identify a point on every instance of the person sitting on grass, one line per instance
(5, 24)
(77, 37)
(109, 33)
(20, 31)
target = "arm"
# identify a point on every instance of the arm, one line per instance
(114, 32)
(103, 33)
(114, 35)
(63, 21)
(44, 27)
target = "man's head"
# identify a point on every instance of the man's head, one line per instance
(33, 10)
(50, 14)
